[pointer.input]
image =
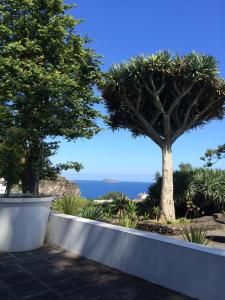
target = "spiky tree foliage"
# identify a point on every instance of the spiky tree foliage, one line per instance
(162, 96)
(204, 187)
(212, 156)
(47, 73)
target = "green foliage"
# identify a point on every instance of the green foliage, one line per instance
(126, 221)
(131, 208)
(112, 196)
(195, 235)
(185, 166)
(11, 157)
(92, 212)
(178, 221)
(162, 96)
(108, 210)
(151, 95)
(156, 212)
(211, 156)
(144, 217)
(47, 74)
(69, 205)
(119, 205)
(205, 189)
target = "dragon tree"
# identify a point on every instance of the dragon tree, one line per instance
(162, 96)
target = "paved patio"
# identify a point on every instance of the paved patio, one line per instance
(51, 273)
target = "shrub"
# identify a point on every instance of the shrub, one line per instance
(195, 235)
(146, 206)
(69, 205)
(205, 188)
(113, 196)
(126, 221)
(92, 212)
(119, 205)
(130, 208)
(156, 212)
(108, 210)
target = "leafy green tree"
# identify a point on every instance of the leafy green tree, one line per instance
(11, 157)
(163, 96)
(47, 74)
(185, 166)
(212, 156)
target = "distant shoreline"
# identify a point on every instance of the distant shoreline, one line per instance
(120, 181)
(93, 189)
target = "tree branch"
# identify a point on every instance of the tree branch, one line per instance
(179, 97)
(155, 94)
(192, 105)
(197, 117)
(149, 129)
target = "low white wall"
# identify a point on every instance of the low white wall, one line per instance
(193, 270)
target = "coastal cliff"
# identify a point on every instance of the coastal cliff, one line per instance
(59, 187)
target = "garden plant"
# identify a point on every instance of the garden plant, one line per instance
(46, 85)
(162, 96)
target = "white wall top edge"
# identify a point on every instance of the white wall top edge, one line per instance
(155, 236)
(25, 199)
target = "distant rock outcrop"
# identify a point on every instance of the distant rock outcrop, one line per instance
(59, 187)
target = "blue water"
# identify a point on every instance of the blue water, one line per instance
(94, 189)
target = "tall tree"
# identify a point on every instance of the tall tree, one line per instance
(47, 74)
(212, 156)
(163, 96)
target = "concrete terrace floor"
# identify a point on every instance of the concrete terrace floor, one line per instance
(53, 273)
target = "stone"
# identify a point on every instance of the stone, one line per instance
(59, 187)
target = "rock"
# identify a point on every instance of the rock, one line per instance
(219, 217)
(204, 223)
(59, 187)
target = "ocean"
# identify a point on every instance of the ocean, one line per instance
(92, 189)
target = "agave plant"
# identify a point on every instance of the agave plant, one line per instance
(92, 212)
(131, 208)
(119, 205)
(195, 235)
(126, 221)
(69, 205)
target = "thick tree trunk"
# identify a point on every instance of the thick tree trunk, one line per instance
(31, 175)
(30, 180)
(167, 203)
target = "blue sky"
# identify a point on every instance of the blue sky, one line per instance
(122, 29)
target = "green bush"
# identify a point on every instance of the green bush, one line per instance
(92, 212)
(119, 205)
(195, 235)
(130, 208)
(108, 210)
(126, 221)
(69, 205)
(112, 196)
(205, 188)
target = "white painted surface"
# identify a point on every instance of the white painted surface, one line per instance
(191, 269)
(2, 186)
(23, 223)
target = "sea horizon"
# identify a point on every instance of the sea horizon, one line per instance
(94, 189)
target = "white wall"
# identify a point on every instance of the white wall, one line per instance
(2, 186)
(193, 270)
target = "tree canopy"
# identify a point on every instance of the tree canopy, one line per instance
(212, 156)
(47, 75)
(162, 96)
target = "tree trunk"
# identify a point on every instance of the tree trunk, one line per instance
(31, 174)
(167, 203)
(30, 180)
